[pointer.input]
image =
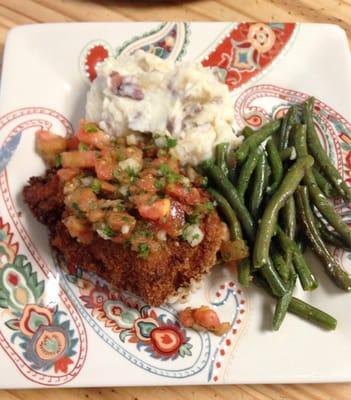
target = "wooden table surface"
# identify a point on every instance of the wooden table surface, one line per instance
(17, 12)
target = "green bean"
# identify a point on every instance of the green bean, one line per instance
(313, 314)
(301, 243)
(289, 223)
(276, 165)
(283, 303)
(302, 309)
(323, 184)
(232, 172)
(327, 210)
(336, 273)
(247, 171)
(320, 155)
(306, 277)
(290, 118)
(259, 186)
(229, 214)
(288, 154)
(330, 237)
(230, 193)
(317, 197)
(221, 157)
(280, 265)
(270, 215)
(247, 131)
(272, 277)
(244, 272)
(255, 139)
(289, 218)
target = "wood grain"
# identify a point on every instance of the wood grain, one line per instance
(16, 12)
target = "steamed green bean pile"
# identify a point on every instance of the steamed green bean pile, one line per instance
(275, 192)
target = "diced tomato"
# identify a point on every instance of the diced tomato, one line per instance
(175, 220)
(96, 215)
(145, 183)
(83, 199)
(190, 196)
(205, 318)
(49, 145)
(87, 199)
(117, 220)
(78, 159)
(141, 199)
(96, 138)
(67, 174)
(73, 143)
(156, 211)
(107, 187)
(172, 163)
(104, 169)
(134, 152)
(79, 229)
(186, 318)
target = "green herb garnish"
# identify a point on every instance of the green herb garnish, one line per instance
(209, 206)
(108, 231)
(132, 174)
(58, 161)
(83, 147)
(164, 169)
(173, 177)
(75, 206)
(90, 128)
(96, 186)
(170, 142)
(120, 207)
(116, 173)
(193, 218)
(158, 185)
(143, 250)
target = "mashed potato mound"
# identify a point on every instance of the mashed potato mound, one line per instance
(143, 93)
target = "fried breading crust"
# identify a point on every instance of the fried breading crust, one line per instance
(154, 278)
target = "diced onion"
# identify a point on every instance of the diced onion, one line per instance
(193, 235)
(131, 140)
(130, 163)
(87, 180)
(125, 229)
(124, 189)
(162, 235)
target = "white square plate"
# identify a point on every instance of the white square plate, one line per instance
(60, 327)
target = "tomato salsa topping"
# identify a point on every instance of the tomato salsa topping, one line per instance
(128, 189)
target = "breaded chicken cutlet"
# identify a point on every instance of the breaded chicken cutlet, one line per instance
(154, 278)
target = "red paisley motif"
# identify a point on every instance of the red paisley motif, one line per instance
(248, 49)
